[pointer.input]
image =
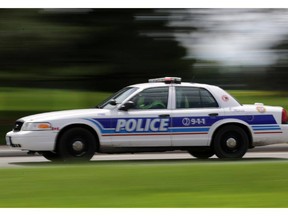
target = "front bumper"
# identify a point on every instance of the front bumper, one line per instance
(32, 140)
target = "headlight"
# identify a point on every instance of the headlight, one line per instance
(36, 126)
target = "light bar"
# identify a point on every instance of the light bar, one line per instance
(166, 80)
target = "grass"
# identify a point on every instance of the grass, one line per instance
(273, 98)
(26, 99)
(147, 184)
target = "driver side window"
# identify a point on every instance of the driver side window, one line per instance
(151, 98)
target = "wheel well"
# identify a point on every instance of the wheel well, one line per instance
(63, 130)
(244, 127)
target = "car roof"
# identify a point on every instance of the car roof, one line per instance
(162, 84)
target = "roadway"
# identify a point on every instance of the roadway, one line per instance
(15, 158)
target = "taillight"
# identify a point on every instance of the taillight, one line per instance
(284, 116)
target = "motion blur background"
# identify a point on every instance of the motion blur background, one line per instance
(55, 59)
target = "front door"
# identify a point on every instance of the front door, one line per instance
(147, 123)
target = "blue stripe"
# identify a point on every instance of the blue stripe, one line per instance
(266, 128)
(258, 126)
(257, 122)
(103, 130)
(189, 129)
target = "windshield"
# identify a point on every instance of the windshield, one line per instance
(119, 97)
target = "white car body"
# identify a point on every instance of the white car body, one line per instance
(169, 128)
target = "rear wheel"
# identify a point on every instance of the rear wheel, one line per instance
(77, 144)
(231, 142)
(202, 154)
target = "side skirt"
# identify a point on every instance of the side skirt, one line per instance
(117, 150)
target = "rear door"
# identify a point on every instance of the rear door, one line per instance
(195, 109)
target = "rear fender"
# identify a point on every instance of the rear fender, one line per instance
(223, 122)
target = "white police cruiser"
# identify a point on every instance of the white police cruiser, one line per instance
(164, 114)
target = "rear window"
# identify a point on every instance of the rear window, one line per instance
(192, 97)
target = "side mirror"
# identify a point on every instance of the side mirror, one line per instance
(126, 106)
(112, 102)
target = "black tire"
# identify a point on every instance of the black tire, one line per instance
(77, 144)
(231, 142)
(54, 157)
(202, 154)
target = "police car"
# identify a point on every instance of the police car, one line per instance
(162, 115)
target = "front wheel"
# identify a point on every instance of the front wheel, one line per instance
(231, 142)
(77, 144)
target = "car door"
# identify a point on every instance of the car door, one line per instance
(195, 109)
(147, 123)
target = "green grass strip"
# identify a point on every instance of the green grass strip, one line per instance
(147, 184)
(26, 99)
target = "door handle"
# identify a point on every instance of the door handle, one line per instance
(164, 116)
(213, 114)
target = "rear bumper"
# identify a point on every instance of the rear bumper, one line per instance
(271, 137)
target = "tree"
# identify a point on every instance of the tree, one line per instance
(96, 49)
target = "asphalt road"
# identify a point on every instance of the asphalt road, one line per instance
(15, 158)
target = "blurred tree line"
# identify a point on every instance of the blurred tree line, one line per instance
(106, 49)
(94, 49)
(277, 75)
(251, 45)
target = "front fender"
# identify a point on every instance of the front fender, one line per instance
(63, 125)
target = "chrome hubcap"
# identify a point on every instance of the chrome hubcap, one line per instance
(231, 143)
(78, 146)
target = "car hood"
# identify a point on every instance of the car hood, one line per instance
(49, 116)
